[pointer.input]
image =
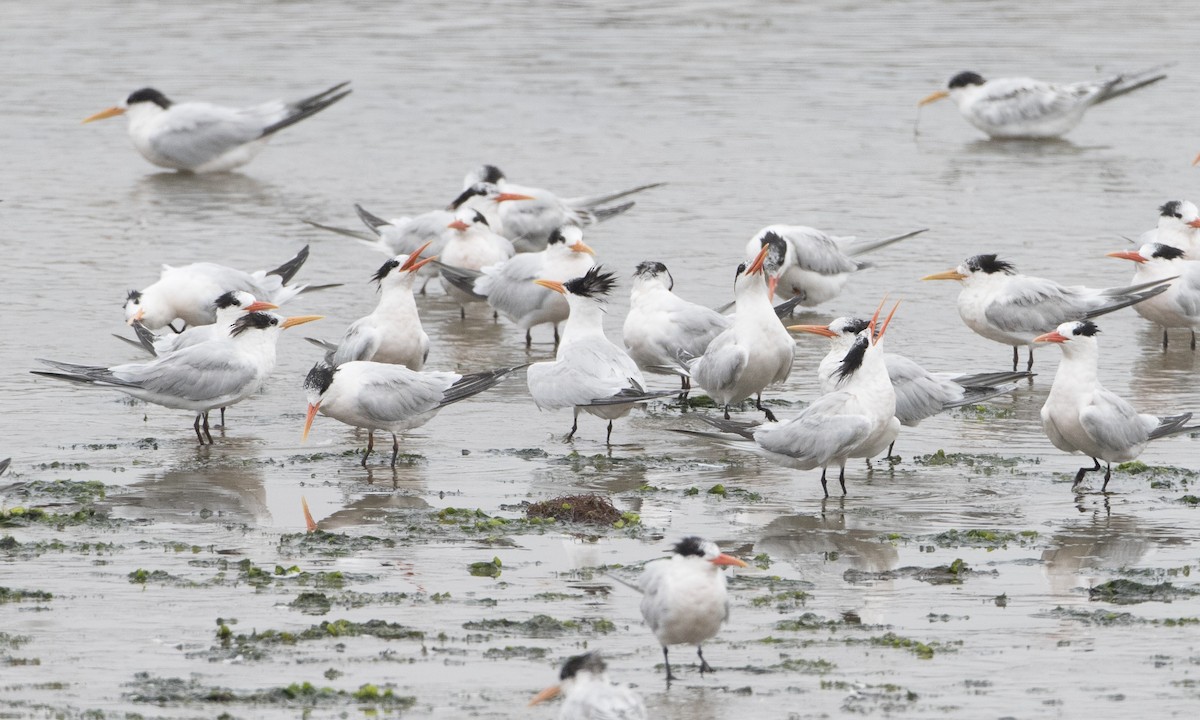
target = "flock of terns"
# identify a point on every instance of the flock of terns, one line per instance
(209, 332)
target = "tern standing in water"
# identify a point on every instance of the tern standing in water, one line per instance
(588, 694)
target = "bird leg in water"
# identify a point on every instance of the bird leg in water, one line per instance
(574, 427)
(462, 313)
(556, 335)
(529, 341)
(704, 666)
(207, 434)
(370, 446)
(1029, 365)
(766, 411)
(667, 662)
(196, 427)
(1165, 339)
(842, 479)
(1084, 471)
(1107, 476)
(1193, 339)
(222, 417)
(824, 485)
(726, 412)
(395, 448)
(608, 437)
(889, 455)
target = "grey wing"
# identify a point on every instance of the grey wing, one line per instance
(1020, 100)
(509, 287)
(196, 133)
(201, 372)
(589, 374)
(396, 393)
(1033, 304)
(919, 393)
(721, 363)
(359, 343)
(693, 327)
(534, 220)
(1112, 423)
(819, 434)
(816, 251)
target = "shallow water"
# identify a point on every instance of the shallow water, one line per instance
(780, 113)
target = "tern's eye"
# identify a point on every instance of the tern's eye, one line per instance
(274, 321)
(1179, 215)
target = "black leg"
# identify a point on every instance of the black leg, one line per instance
(495, 316)
(842, 479)
(1016, 358)
(608, 437)
(222, 417)
(370, 446)
(1193, 339)
(395, 448)
(1084, 471)
(574, 427)
(704, 666)
(667, 662)
(890, 447)
(207, 434)
(1029, 365)
(726, 412)
(196, 427)
(462, 313)
(766, 411)
(1164, 338)
(824, 484)
(528, 340)
(556, 335)
(1107, 477)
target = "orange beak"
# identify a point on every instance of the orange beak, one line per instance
(548, 694)
(947, 275)
(814, 329)
(756, 266)
(724, 559)
(887, 322)
(934, 97)
(580, 247)
(1052, 336)
(110, 112)
(299, 320)
(312, 413)
(1127, 255)
(137, 317)
(259, 306)
(505, 197)
(772, 283)
(458, 225)
(415, 256)
(551, 285)
(1195, 223)
(422, 263)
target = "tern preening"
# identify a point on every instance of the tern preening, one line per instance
(1179, 306)
(472, 246)
(530, 224)
(1009, 308)
(392, 398)
(1027, 108)
(684, 600)
(201, 137)
(200, 378)
(816, 266)
(1081, 415)
(662, 329)
(186, 293)
(509, 287)
(1178, 226)
(588, 694)
(228, 306)
(392, 333)
(754, 352)
(589, 373)
(919, 393)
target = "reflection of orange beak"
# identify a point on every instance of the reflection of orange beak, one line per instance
(309, 523)
(551, 285)
(110, 112)
(934, 97)
(259, 306)
(299, 320)
(724, 559)
(412, 258)
(814, 329)
(757, 265)
(458, 225)
(1052, 336)
(1127, 255)
(312, 413)
(505, 197)
(548, 694)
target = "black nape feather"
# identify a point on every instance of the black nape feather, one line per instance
(491, 174)
(479, 188)
(989, 264)
(148, 95)
(384, 269)
(134, 296)
(1086, 328)
(853, 360)
(1167, 252)
(319, 378)
(649, 268)
(963, 79)
(479, 218)
(227, 300)
(556, 237)
(741, 269)
(591, 662)
(594, 284)
(856, 325)
(690, 546)
(1171, 209)
(256, 320)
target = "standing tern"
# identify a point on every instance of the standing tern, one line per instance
(1178, 226)
(208, 375)
(589, 373)
(392, 398)
(186, 293)
(816, 266)
(228, 306)
(473, 246)
(530, 224)
(1027, 108)
(1081, 415)
(509, 287)
(201, 137)
(754, 352)
(588, 694)
(662, 328)
(684, 600)
(919, 393)
(392, 333)
(1179, 306)
(1009, 308)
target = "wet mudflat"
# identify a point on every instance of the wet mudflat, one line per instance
(146, 577)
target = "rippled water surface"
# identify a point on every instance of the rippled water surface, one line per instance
(776, 112)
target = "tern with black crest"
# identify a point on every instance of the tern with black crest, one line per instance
(1178, 226)
(472, 246)
(1179, 306)
(588, 694)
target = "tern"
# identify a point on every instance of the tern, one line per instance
(816, 266)
(1179, 306)
(509, 287)
(228, 306)
(684, 600)
(1009, 308)
(1026, 108)
(919, 393)
(530, 224)
(200, 378)
(754, 352)
(589, 373)
(473, 246)
(1178, 226)
(201, 137)
(1081, 415)
(186, 293)
(392, 398)
(392, 333)
(662, 328)
(588, 694)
